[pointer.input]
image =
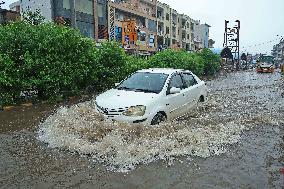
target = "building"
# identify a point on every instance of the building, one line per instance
(139, 25)
(278, 51)
(185, 32)
(89, 16)
(133, 24)
(164, 25)
(44, 6)
(7, 16)
(202, 34)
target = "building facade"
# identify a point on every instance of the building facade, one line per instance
(185, 37)
(89, 16)
(164, 25)
(44, 6)
(139, 25)
(278, 52)
(202, 34)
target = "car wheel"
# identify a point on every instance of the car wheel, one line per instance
(200, 101)
(158, 118)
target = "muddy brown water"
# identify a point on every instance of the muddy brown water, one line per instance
(238, 143)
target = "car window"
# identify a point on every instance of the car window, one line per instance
(189, 80)
(144, 82)
(176, 81)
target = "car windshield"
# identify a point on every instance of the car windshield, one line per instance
(144, 82)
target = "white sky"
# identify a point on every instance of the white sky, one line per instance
(261, 20)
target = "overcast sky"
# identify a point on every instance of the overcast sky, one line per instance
(261, 20)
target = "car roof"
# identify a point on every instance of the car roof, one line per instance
(167, 71)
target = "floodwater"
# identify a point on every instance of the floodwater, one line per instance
(235, 140)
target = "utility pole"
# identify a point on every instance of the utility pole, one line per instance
(73, 13)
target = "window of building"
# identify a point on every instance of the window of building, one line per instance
(167, 30)
(167, 16)
(84, 6)
(66, 4)
(100, 10)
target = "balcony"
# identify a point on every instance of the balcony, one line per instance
(151, 2)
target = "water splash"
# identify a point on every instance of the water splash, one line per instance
(203, 132)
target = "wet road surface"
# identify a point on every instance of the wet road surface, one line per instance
(242, 126)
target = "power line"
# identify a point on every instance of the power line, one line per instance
(264, 43)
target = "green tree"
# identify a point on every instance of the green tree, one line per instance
(33, 18)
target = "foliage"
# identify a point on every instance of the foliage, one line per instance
(226, 53)
(205, 62)
(57, 62)
(212, 62)
(52, 59)
(111, 61)
(244, 57)
(33, 18)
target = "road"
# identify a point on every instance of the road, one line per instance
(233, 141)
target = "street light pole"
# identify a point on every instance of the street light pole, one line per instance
(73, 13)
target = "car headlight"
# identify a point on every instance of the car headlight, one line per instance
(135, 111)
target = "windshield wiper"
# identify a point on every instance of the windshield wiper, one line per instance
(124, 88)
(145, 90)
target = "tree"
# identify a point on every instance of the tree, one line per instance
(33, 18)
(244, 57)
(226, 53)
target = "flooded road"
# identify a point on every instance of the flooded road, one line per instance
(233, 141)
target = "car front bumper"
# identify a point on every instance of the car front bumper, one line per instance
(146, 119)
(265, 70)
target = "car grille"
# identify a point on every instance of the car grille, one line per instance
(112, 112)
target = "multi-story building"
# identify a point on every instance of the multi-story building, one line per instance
(140, 16)
(140, 25)
(174, 17)
(278, 52)
(89, 16)
(164, 25)
(44, 6)
(185, 29)
(202, 34)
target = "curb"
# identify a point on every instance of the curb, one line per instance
(29, 104)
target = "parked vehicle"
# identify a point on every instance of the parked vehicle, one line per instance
(152, 96)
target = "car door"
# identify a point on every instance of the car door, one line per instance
(191, 91)
(175, 102)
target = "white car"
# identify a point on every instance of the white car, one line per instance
(152, 96)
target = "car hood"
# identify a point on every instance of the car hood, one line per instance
(115, 99)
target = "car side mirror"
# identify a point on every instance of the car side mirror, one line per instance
(174, 90)
(116, 84)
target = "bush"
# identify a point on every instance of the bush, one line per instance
(212, 62)
(55, 60)
(178, 60)
(58, 61)
(111, 62)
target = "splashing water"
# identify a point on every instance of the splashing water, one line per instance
(203, 132)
